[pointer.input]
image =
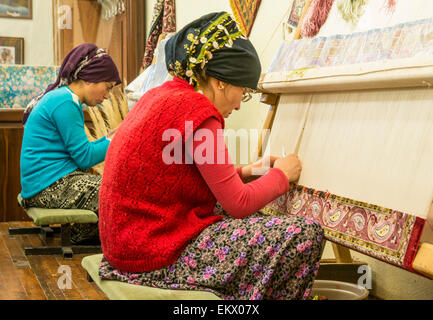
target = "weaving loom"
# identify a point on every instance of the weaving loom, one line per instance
(361, 122)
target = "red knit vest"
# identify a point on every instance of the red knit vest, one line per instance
(149, 210)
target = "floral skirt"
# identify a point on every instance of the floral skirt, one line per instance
(259, 257)
(77, 190)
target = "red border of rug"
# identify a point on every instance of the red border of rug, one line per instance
(414, 243)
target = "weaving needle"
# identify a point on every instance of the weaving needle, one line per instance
(283, 151)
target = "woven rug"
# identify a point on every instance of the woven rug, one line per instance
(245, 12)
(382, 233)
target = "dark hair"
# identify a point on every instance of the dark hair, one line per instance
(202, 75)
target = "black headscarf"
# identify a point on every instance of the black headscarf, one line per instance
(215, 43)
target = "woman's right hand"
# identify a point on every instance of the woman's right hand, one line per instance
(111, 134)
(290, 165)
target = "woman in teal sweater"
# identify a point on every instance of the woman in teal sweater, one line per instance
(56, 151)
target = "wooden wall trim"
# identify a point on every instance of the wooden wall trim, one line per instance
(11, 115)
(11, 133)
(16, 115)
(135, 37)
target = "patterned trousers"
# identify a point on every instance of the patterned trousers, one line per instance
(259, 257)
(77, 190)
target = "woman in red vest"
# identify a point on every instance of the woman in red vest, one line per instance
(168, 166)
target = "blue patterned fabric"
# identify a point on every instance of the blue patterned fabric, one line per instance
(20, 84)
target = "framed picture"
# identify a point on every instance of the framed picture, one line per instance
(19, 9)
(11, 50)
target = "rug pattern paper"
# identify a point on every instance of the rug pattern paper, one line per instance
(404, 40)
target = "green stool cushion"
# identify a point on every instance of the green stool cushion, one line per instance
(117, 290)
(43, 216)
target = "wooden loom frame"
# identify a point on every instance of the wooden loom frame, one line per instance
(395, 74)
(342, 254)
(423, 262)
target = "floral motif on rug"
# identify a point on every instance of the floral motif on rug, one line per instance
(388, 235)
(245, 12)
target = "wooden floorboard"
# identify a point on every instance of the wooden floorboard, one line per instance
(40, 277)
(10, 282)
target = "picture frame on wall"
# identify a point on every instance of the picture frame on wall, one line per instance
(18, 9)
(11, 50)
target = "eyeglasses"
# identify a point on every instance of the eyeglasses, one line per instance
(246, 96)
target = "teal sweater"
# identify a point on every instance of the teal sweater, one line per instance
(54, 142)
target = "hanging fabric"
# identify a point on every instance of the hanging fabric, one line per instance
(296, 12)
(163, 21)
(111, 8)
(351, 10)
(315, 17)
(245, 12)
(390, 6)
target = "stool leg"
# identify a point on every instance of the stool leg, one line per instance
(66, 241)
(86, 249)
(47, 231)
(89, 278)
(56, 229)
(67, 252)
(27, 230)
(66, 235)
(28, 251)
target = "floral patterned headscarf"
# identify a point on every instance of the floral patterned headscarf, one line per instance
(216, 44)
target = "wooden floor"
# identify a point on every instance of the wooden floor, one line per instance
(36, 277)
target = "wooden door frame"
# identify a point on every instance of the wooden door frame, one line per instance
(135, 37)
(134, 34)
